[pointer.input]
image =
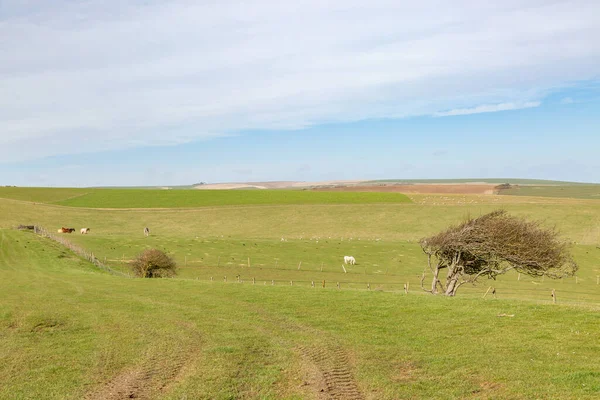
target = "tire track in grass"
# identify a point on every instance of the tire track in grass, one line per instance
(334, 368)
(156, 374)
(332, 371)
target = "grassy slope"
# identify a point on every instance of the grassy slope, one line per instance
(66, 328)
(565, 191)
(486, 180)
(202, 198)
(42, 195)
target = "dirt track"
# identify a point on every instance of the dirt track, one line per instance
(418, 188)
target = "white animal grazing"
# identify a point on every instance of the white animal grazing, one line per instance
(349, 260)
(146, 231)
(84, 231)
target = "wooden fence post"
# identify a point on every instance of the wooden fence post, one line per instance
(487, 291)
(553, 296)
(225, 278)
(368, 286)
(291, 283)
(338, 285)
(323, 282)
(248, 262)
(519, 277)
(253, 281)
(405, 289)
(299, 265)
(312, 284)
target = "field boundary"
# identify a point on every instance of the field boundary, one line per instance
(81, 252)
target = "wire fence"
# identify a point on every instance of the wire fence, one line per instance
(406, 284)
(80, 251)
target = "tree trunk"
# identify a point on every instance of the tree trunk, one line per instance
(435, 280)
(454, 274)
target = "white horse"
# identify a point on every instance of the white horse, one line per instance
(146, 231)
(84, 231)
(349, 260)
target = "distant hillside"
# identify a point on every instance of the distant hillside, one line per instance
(512, 181)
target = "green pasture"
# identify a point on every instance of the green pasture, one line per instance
(67, 329)
(564, 191)
(150, 198)
(512, 181)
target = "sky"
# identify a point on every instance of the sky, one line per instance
(144, 92)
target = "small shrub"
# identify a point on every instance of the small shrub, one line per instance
(153, 263)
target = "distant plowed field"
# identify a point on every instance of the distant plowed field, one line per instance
(424, 188)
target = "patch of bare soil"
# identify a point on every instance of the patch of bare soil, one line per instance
(418, 188)
(155, 375)
(332, 376)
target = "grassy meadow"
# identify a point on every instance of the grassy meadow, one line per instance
(69, 330)
(563, 191)
(157, 198)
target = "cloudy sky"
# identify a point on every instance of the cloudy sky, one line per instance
(146, 92)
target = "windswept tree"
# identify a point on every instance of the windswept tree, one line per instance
(492, 245)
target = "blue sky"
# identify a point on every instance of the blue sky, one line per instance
(150, 93)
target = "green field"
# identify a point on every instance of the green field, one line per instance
(512, 181)
(564, 191)
(68, 330)
(154, 198)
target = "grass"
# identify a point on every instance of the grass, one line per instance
(149, 198)
(565, 191)
(512, 181)
(64, 339)
(66, 328)
(41, 195)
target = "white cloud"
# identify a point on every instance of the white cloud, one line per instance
(487, 108)
(96, 75)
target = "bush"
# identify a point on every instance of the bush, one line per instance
(153, 263)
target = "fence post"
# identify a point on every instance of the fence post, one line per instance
(248, 262)
(312, 284)
(405, 289)
(225, 278)
(486, 292)
(368, 286)
(338, 285)
(291, 283)
(519, 277)
(323, 283)
(253, 281)
(299, 265)
(553, 296)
